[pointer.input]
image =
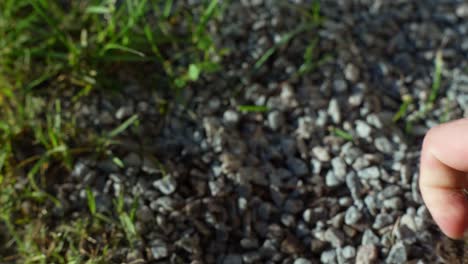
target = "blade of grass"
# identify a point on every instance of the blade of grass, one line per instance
(206, 16)
(285, 39)
(130, 121)
(167, 8)
(436, 81)
(252, 108)
(342, 134)
(407, 100)
(114, 46)
(91, 201)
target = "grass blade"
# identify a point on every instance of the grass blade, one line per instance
(207, 14)
(91, 201)
(114, 46)
(436, 81)
(167, 8)
(252, 108)
(130, 121)
(407, 99)
(343, 134)
(285, 39)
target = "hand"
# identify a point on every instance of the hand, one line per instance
(443, 176)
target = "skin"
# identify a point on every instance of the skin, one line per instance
(443, 176)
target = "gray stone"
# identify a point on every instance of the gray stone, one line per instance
(462, 10)
(316, 166)
(367, 254)
(164, 204)
(328, 256)
(123, 112)
(383, 220)
(397, 254)
(144, 214)
(345, 201)
(408, 220)
(334, 111)
(230, 163)
(331, 180)
(322, 118)
(231, 117)
(360, 163)
(376, 121)
(249, 243)
(232, 259)
(321, 153)
(351, 73)
(337, 220)
(348, 252)
(405, 234)
(275, 120)
(356, 99)
(297, 166)
(339, 167)
(216, 186)
(288, 220)
(383, 145)
(159, 250)
(352, 216)
(369, 173)
(166, 185)
(276, 177)
(251, 257)
(288, 96)
(79, 170)
(305, 127)
(340, 85)
(363, 130)
(132, 159)
(150, 166)
(307, 215)
(371, 204)
(369, 238)
(291, 245)
(354, 185)
(293, 206)
(334, 236)
(251, 175)
(302, 261)
(394, 203)
(389, 191)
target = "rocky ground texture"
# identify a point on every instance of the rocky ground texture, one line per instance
(324, 175)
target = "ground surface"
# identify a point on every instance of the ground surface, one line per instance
(268, 162)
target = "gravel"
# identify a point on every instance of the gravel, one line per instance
(283, 186)
(397, 254)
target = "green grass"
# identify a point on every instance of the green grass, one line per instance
(49, 51)
(437, 77)
(412, 117)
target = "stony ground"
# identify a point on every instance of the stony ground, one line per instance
(323, 174)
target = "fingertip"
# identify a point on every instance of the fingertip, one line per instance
(449, 210)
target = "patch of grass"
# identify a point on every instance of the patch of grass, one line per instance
(313, 20)
(407, 101)
(51, 49)
(54, 54)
